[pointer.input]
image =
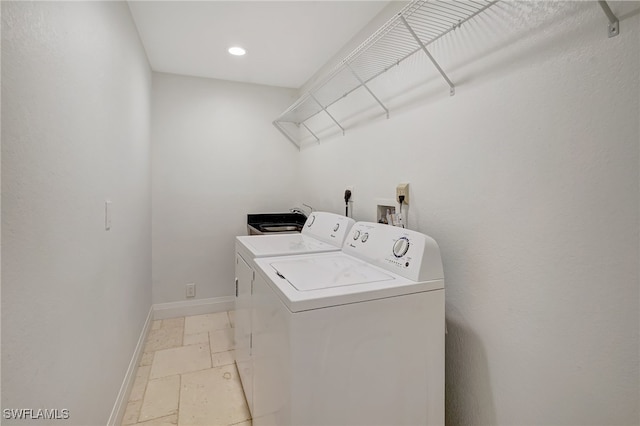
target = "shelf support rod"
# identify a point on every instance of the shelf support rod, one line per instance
(363, 84)
(614, 24)
(286, 135)
(312, 134)
(452, 88)
(328, 113)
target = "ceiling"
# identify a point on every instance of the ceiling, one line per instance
(286, 41)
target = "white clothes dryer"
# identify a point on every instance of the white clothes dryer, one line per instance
(354, 337)
(322, 232)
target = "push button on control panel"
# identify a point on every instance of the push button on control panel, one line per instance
(398, 263)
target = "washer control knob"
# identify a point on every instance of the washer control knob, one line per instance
(365, 237)
(310, 221)
(335, 228)
(356, 235)
(401, 247)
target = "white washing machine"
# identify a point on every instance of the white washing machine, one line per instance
(322, 232)
(354, 337)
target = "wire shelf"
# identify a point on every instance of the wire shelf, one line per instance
(417, 25)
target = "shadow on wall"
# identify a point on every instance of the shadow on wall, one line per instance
(468, 396)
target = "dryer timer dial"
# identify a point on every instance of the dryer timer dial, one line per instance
(400, 247)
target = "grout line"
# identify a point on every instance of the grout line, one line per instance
(200, 371)
(145, 391)
(210, 351)
(185, 346)
(209, 348)
(179, 399)
(184, 329)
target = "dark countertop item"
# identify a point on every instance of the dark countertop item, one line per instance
(275, 222)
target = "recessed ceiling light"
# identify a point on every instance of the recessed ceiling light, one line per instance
(237, 51)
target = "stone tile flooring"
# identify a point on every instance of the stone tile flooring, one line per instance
(187, 375)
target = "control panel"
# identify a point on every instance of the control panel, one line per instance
(405, 252)
(328, 227)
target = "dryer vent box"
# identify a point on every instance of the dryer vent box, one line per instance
(385, 213)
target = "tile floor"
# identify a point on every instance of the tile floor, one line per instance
(187, 375)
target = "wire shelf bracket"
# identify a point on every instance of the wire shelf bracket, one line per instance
(310, 131)
(328, 113)
(284, 132)
(386, 110)
(452, 88)
(614, 24)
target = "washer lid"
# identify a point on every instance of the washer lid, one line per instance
(314, 273)
(282, 245)
(320, 280)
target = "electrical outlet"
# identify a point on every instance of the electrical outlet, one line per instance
(191, 290)
(402, 189)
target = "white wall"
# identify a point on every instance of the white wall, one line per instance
(215, 158)
(75, 131)
(528, 179)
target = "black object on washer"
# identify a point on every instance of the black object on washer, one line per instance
(267, 223)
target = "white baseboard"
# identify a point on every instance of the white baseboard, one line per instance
(193, 307)
(117, 413)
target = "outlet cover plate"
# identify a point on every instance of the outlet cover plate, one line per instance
(402, 189)
(191, 290)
